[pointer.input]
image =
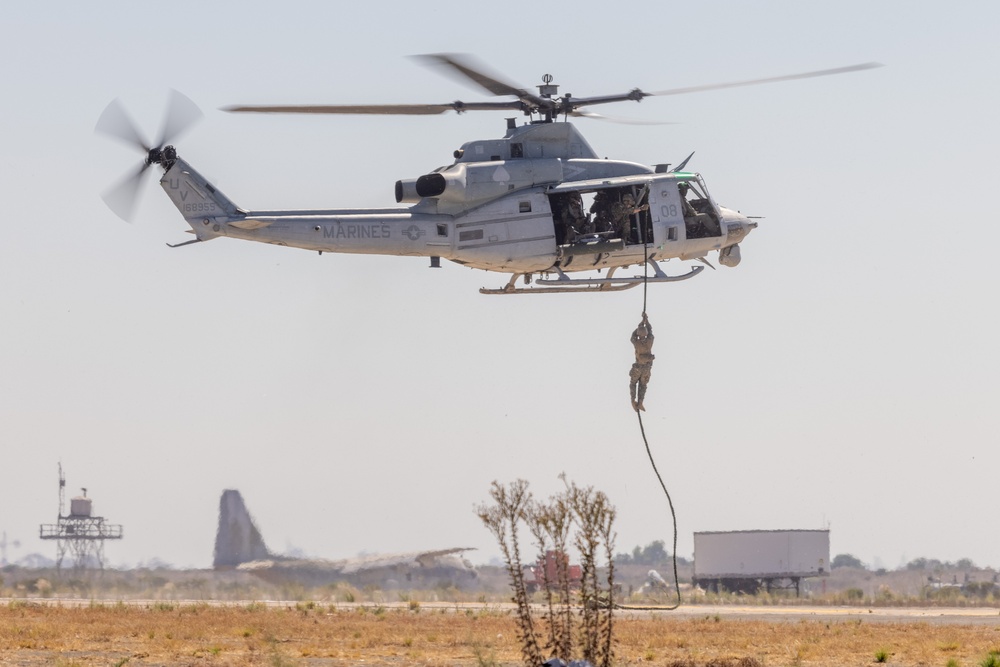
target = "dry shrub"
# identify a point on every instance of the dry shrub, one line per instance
(592, 515)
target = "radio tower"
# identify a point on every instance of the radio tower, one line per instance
(79, 533)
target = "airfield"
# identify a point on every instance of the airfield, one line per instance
(146, 632)
(989, 616)
(232, 617)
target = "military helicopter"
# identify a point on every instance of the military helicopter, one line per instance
(537, 201)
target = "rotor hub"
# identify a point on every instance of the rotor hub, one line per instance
(164, 155)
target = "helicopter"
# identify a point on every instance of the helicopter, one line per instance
(536, 202)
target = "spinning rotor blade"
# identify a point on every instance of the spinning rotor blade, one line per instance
(117, 124)
(755, 82)
(464, 65)
(467, 70)
(181, 114)
(122, 198)
(381, 109)
(619, 119)
(114, 122)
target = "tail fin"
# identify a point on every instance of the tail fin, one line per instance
(238, 540)
(196, 198)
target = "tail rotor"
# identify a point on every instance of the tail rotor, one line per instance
(116, 123)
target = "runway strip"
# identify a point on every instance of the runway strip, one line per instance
(777, 613)
(936, 615)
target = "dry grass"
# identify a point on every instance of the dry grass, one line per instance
(308, 634)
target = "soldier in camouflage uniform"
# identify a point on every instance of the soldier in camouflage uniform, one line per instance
(621, 216)
(576, 221)
(642, 339)
(601, 210)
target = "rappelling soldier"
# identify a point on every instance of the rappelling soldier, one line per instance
(642, 340)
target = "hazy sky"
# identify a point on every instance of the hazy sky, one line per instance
(843, 375)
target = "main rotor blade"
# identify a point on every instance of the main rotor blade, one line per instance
(464, 65)
(619, 119)
(182, 113)
(117, 124)
(380, 109)
(121, 198)
(773, 79)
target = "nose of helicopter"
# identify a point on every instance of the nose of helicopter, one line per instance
(736, 224)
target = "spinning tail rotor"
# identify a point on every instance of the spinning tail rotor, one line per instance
(115, 122)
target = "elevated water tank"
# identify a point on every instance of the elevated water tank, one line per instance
(80, 506)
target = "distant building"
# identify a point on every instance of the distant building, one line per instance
(748, 560)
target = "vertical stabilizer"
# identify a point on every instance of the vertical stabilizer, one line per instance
(237, 540)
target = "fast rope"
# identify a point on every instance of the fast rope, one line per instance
(652, 462)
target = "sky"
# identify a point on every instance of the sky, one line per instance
(843, 376)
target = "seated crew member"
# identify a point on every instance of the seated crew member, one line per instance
(576, 221)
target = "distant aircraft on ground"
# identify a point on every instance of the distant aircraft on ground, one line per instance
(239, 545)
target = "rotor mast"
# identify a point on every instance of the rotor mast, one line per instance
(547, 90)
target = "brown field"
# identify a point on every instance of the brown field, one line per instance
(163, 633)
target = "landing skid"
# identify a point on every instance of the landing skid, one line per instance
(607, 284)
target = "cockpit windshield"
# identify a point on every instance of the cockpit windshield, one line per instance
(701, 218)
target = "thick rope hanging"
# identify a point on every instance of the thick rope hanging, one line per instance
(642, 429)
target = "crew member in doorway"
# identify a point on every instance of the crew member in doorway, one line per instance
(577, 222)
(642, 340)
(621, 216)
(601, 210)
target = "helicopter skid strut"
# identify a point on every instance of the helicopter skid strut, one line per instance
(608, 284)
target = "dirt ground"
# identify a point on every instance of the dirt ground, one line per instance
(161, 633)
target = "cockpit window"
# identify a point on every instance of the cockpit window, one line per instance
(701, 220)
